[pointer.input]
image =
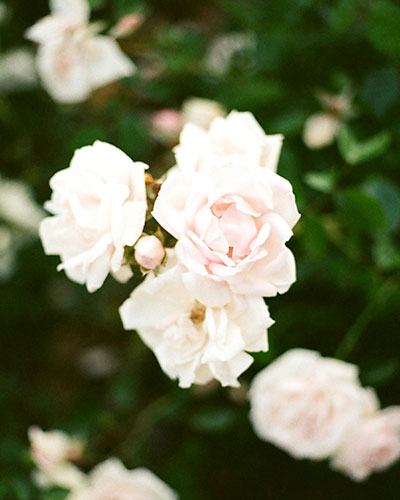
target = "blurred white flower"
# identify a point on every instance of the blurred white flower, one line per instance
(202, 112)
(149, 252)
(111, 480)
(127, 25)
(18, 207)
(17, 70)
(52, 452)
(166, 126)
(373, 446)
(308, 405)
(99, 206)
(196, 338)
(73, 60)
(224, 48)
(238, 134)
(321, 129)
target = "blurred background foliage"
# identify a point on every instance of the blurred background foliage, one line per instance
(345, 302)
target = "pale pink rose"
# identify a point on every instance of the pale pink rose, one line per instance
(374, 446)
(238, 134)
(99, 206)
(111, 480)
(51, 452)
(149, 252)
(166, 125)
(308, 405)
(73, 60)
(320, 130)
(202, 112)
(196, 339)
(232, 219)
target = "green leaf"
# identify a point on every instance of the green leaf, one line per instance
(313, 237)
(214, 420)
(343, 15)
(383, 26)
(386, 254)
(381, 373)
(355, 151)
(361, 212)
(97, 4)
(321, 181)
(388, 195)
(381, 89)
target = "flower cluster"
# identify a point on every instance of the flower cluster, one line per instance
(315, 408)
(225, 215)
(73, 59)
(54, 452)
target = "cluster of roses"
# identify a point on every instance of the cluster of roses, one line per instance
(55, 455)
(225, 215)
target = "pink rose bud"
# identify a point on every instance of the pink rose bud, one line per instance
(127, 25)
(166, 125)
(149, 252)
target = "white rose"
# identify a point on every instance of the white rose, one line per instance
(202, 112)
(111, 480)
(232, 219)
(320, 130)
(308, 405)
(17, 70)
(374, 446)
(238, 134)
(99, 206)
(72, 59)
(196, 338)
(51, 452)
(18, 207)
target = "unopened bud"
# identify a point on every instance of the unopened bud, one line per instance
(149, 252)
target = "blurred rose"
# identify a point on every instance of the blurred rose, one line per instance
(17, 205)
(99, 206)
(202, 112)
(238, 134)
(51, 451)
(149, 252)
(373, 446)
(73, 60)
(198, 338)
(166, 126)
(320, 130)
(308, 405)
(223, 50)
(17, 70)
(98, 361)
(7, 253)
(232, 219)
(110, 480)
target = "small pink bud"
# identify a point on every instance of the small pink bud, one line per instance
(166, 125)
(149, 252)
(127, 25)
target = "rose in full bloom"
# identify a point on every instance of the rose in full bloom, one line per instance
(374, 446)
(51, 452)
(232, 219)
(308, 405)
(320, 130)
(196, 339)
(73, 60)
(99, 207)
(111, 480)
(238, 134)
